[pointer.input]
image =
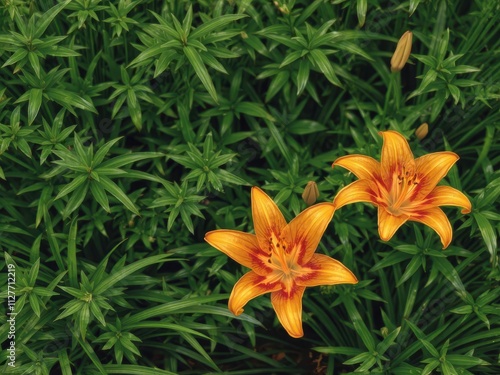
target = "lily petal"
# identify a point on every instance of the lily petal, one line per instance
(323, 270)
(431, 169)
(288, 307)
(448, 196)
(388, 224)
(360, 165)
(304, 232)
(251, 285)
(437, 220)
(241, 247)
(357, 191)
(267, 218)
(396, 153)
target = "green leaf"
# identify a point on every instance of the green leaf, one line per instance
(430, 348)
(302, 75)
(103, 151)
(214, 24)
(100, 196)
(467, 309)
(134, 370)
(128, 158)
(412, 267)
(302, 127)
(231, 178)
(413, 5)
(171, 308)
(253, 109)
(76, 199)
(64, 362)
(115, 191)
(87, 348)
(72, 263)
(48, 17)
(465, 361)
(201, 71)
(359, 358)
(122, 273)
(157, 49)
(455, 92)
(394, 257)
(428, 78)
(318, 58)
(17, 56)
(338, 350)
(359, 324)
(68, 188)
(280, 142)
(188, 20)
(290, 58)
(34, 104)
(487, 232)
(70, 98)
(276, 84)
(388, 341)
(361, 10)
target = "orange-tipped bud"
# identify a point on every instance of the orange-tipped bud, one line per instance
(403, 50)
(311, 193)
(422, 131)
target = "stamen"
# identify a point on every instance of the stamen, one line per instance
(403, 186)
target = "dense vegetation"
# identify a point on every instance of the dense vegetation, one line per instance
(129, 129)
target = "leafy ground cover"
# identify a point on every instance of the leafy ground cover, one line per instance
(130, 129)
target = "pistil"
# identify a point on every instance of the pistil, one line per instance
(277, 254)
(404, 183)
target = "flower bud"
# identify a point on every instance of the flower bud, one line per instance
(422, 131)
(384, 331)
(403, 50)
(311, 193)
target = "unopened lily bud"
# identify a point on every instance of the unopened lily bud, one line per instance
(284, 9)
(384, 331)
(422, 131)
(311, 193)
(403, 50)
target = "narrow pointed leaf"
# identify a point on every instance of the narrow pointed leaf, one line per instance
(118, 193)
(201, 71)
(214, 24)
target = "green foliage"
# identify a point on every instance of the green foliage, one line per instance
(129, 129)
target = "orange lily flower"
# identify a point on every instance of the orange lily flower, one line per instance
(281, 258)
(403, 188)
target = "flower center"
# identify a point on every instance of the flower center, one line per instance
(278, 258)
(404, 183)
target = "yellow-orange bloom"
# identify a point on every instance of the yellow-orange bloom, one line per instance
(402, 187)
(281, 258)
(402, 53)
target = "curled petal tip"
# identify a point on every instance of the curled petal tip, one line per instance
(239, 312)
